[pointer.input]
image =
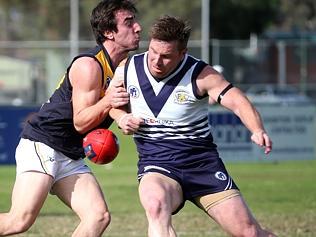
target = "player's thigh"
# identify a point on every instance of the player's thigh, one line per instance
(156, 186)
(30, 192)
(232, 214)
(79, 192)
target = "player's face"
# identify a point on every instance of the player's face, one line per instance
(127, 36)
(163, 57)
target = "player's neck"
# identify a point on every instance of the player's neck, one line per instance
(116, 54)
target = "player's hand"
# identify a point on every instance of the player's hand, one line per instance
(117, 94)
(262, 139)
(129, 124)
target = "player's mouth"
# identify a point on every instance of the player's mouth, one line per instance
(157, 69)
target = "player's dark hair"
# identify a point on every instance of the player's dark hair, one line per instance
(169, 28)
(103, 16)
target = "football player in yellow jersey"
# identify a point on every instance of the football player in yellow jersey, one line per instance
(50, 156)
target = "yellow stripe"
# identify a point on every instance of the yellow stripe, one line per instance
(41, 157)
(107, 71)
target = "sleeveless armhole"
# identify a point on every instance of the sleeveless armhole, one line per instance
(196, 72)
(95, 58)
(128, 60)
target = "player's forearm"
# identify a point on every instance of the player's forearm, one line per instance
(250, 117)
(91, 117)
(117, 114)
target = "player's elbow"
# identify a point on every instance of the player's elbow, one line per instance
(80, 128)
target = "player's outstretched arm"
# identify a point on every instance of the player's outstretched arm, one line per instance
(244, 109)
(214, 84)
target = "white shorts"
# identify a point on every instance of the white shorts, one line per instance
(38, 157)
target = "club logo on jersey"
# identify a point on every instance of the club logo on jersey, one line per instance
(133, 91)
(182, 97)
(220, 175)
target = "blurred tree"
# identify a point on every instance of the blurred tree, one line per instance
(42, 19)
(190, 10)
(232, 19)
(296, 15)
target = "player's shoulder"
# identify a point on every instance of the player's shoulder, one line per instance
(87, 63)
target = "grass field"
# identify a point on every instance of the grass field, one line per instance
(281, 195)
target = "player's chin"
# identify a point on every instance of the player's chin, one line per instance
(157, 73)
(134, 47)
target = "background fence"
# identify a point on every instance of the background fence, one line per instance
(30, 71)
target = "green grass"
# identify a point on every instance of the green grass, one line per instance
(282, 196)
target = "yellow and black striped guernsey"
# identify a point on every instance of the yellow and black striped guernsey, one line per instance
(53, 123)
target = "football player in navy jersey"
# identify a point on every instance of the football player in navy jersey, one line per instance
(50, 156)
(178, 159)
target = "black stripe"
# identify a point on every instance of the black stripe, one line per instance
(227, 88)
(108, 58)
(128, 106)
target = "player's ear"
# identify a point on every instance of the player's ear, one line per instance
(183, 51)
(109, 35)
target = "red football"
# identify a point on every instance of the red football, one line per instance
(101, 146)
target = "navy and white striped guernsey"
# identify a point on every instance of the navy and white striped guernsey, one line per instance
(176, 117)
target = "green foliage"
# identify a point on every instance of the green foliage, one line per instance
(232, 19)
(150, 10)
(42, 19)
(229, 19)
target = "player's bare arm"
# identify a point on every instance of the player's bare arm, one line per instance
(213, 83)
(126, 121)
(88, 110)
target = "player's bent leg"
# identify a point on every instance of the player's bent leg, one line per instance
(28, 196)
(82, 193)
(233, 215)
(160, 196)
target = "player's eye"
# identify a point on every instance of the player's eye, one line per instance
(129, 22)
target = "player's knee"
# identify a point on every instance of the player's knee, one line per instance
(155, 208)
(106, 218)
(102, 219)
